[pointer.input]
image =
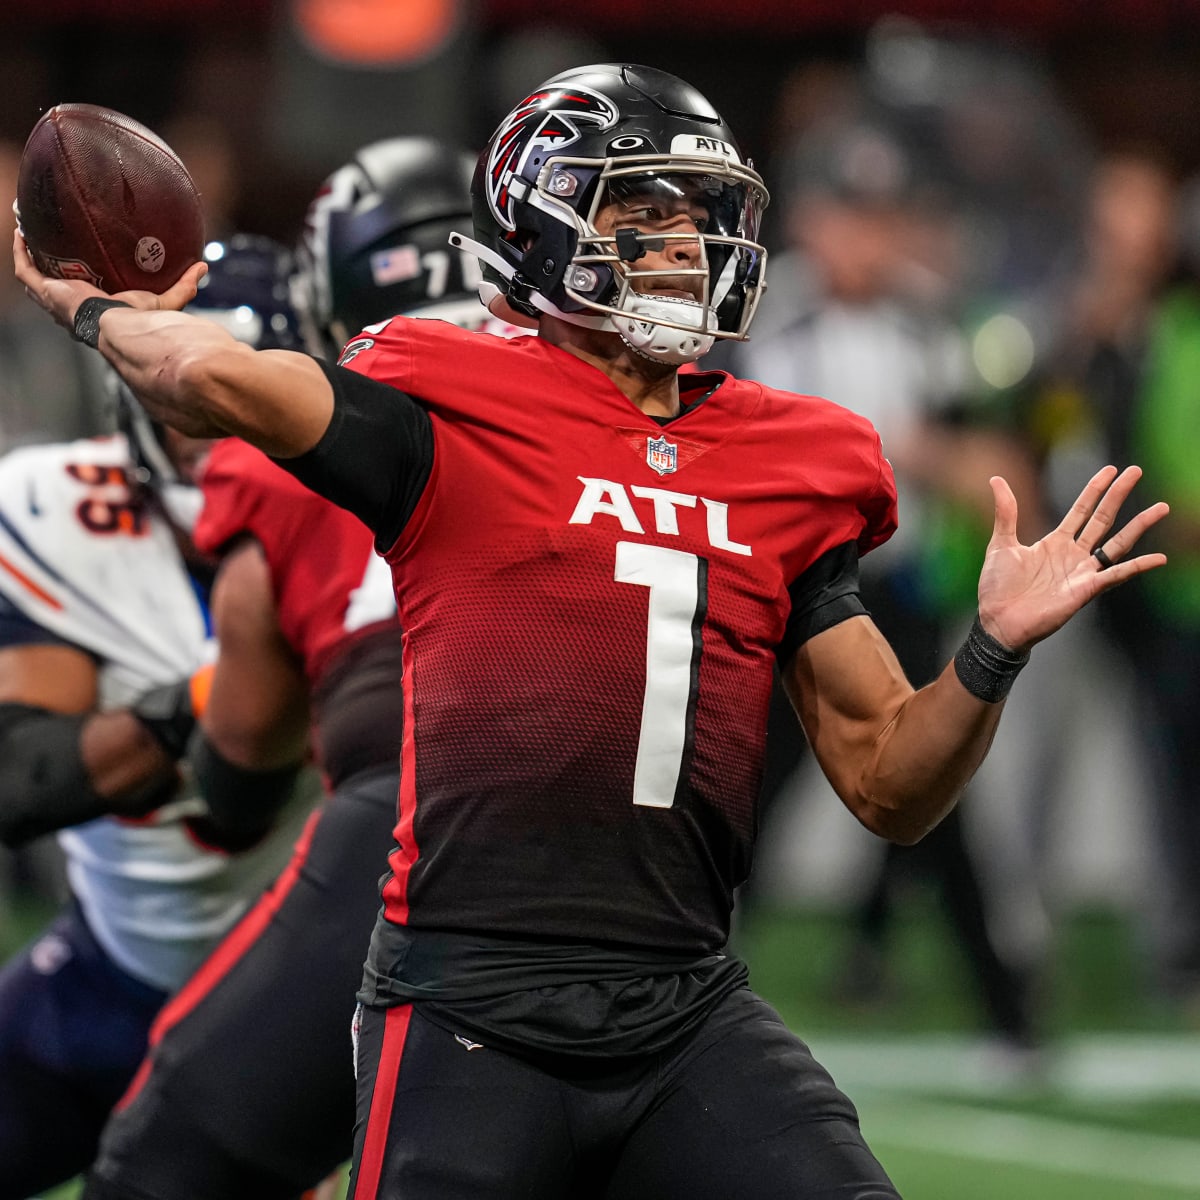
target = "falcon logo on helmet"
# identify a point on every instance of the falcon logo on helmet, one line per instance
(546, 122)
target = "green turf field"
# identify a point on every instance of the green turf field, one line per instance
(1108, 1110)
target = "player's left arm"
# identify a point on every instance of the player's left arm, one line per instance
(899, 758)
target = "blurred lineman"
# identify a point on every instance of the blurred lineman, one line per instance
(103, 620)
(228, 1104)
(598, 560)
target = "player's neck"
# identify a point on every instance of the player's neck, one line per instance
(652, 387)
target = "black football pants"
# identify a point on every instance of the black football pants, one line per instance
(738, 1108)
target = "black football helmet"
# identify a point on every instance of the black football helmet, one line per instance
(584, 138)
(247, 292)
(376, 243)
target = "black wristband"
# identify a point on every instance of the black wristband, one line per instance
(87, 318)
(986, 667)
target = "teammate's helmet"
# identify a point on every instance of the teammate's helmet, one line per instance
(584, 138)
(376, 243)
(247, 292)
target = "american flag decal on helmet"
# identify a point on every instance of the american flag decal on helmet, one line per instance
(543, 124)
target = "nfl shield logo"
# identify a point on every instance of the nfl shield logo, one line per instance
(660, 454)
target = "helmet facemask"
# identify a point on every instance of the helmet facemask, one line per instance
(647, 206)
(603, 282)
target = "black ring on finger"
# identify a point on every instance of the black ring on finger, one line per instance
(1102, 558)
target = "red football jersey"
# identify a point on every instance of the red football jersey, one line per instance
(329, 583)
(591, 604)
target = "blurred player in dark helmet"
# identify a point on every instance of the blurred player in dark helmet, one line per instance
(231, 1104)
(598, 560)
(104, 619)
(376, 242)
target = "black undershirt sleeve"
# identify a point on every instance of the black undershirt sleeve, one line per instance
(376, 456)
(823, 596)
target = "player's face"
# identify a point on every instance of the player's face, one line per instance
(668, 213)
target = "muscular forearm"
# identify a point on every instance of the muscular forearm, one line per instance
(192, 375)
(189, 372)
(897, 758)
(917, 768)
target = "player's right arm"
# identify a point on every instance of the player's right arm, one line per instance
(189, 372)
(362, 444)
(63, 763)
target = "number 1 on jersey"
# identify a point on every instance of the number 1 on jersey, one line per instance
(678, 584)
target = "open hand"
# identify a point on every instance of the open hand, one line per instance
(61, 297)
(1027, 592)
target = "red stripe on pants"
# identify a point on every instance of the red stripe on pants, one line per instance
(379, 1119)
(225, 955)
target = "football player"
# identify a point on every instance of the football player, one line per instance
(104, 622)
(230, 1104)
(598, 558)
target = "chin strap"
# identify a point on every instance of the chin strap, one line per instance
(638, 328)
(489, 293)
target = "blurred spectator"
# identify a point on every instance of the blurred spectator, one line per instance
(996, 136)
(855, 331)
(207, 149)
(1135, 356)
(1075, 409)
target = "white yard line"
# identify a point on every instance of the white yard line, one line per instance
(1090, 1067)
(905, 1089)
(1047, 1144)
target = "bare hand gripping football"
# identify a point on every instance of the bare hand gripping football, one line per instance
(103, 200)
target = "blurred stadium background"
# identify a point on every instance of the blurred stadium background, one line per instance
(1004, 111)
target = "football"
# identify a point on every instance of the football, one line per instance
(103, 199)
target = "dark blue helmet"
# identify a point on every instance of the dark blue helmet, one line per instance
(247, 290)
